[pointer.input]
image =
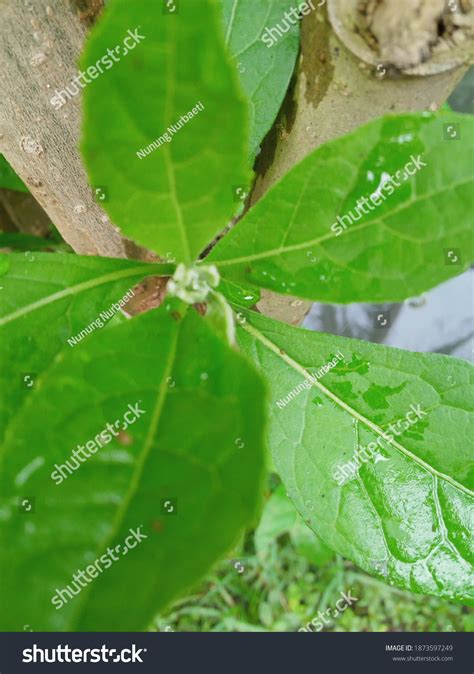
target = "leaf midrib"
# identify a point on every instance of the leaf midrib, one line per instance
(231, 22)
(146, 269)
(330, 235)
(170, 90)
(252, 330)
(140, 464)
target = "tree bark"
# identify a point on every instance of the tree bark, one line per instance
(40, 41)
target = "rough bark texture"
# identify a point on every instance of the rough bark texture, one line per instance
(333, 93)
(40, 41)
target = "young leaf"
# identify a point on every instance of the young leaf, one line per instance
(417, 236)
(242, 297)
(309, 545)
(47, 300)
(8, 178)
(176, 195)
(18, 241)
(265, 65)
(24, 242)
(376, 453)
(278, 517)
(184, 475)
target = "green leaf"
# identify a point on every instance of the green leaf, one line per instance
(9, 179)
(309, 545)
(46, 300)
(419, 236)
(265, 69)
(404, 510)
(220, 316)
(176, 198)
(242, 297)
(280, 517)
(24, 242)
(186, 473)
(17, 241)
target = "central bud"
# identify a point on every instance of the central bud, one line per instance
(195, 284)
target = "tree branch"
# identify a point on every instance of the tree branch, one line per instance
(333, 93)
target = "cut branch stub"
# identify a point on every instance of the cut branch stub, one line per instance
(415, 37)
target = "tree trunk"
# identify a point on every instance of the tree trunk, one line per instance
(40, 41)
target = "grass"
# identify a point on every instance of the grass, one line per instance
(281, 591)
